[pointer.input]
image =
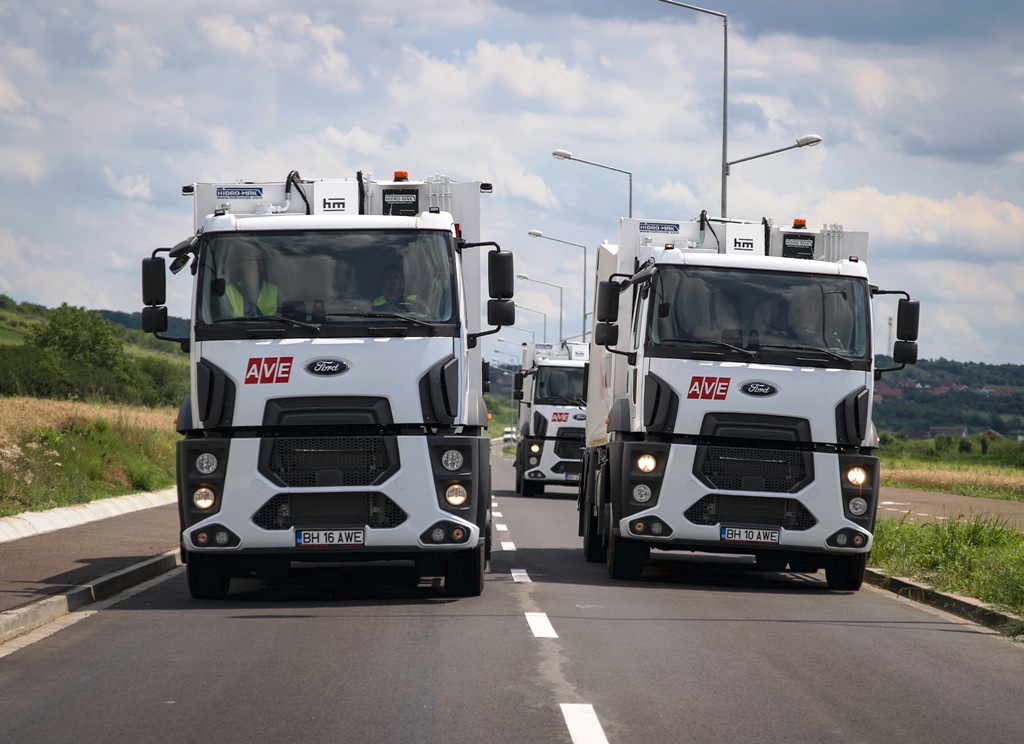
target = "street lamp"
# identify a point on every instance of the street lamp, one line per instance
(808, 140)
(559, 288)
(583, 318)
(566, 155)
(542, 314)
(725, 86)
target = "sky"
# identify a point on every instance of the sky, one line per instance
(109, 107)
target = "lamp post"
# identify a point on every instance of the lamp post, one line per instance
(559, 288)
(583, 317)
(725, 86)
(566, 155)
(544, 315)
(808, 140)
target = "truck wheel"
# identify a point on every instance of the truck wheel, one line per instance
(626, 558)
(846, 572)
(594, 549)
(464, 574)
(208, 576)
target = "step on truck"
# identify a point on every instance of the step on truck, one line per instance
(549, 443)
(336, 410)
(729, 396)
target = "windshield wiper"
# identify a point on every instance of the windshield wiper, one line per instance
(272, 318)
(721, 344)
(827, 352)
(395, 316)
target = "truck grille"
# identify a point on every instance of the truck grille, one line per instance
(287, 510)
(308, 462)
(749, 469)
(751, 510)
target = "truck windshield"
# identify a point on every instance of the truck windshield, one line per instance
(559, 386)
(767, 316)
(334, 279)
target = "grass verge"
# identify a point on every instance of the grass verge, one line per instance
(980, 556)
(61, 453)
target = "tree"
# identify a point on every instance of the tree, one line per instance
(81, 335)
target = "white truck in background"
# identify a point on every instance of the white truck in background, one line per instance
(332, 419)
(729, 397)
(549, 444)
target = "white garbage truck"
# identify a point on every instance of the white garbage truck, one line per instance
(336, 411)
(729, 396)
(549, 443)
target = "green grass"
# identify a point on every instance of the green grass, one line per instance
(980, 557)
(81, 460)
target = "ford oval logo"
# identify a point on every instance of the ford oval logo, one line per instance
(758, 389)
(326, 367)
(579, 416)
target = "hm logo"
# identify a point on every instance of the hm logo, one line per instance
(334, 204)
(743, 244)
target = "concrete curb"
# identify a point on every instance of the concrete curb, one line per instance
(24, 619)
(27, 524)
(965, 607)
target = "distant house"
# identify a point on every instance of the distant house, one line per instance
(957, 432)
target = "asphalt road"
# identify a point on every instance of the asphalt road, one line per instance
(699, 650)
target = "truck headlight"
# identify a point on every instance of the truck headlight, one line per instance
(857, 476)
(203, 497)
(641, 493)
(452, 460)
(857, 506)
(456, 494)
(206, 463)
(646, 463)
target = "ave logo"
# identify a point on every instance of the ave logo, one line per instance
(559, 417)
(708, 388)
(262, 370)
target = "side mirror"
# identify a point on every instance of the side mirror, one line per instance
(485, 376)
(517, 384)
(501, 312)
(154, 281)
(606, 334)
(501, 278)
(154, 319)
(908, 318)
(905, 352)
(607, 306)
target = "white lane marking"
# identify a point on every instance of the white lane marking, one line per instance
(540, 625)
(520, 576)
(496, 514)
(508, 546)
(501, 527)
(894, 503)
(584, 728)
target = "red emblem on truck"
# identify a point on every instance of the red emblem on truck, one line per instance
(261, 370)
(708, 388)
(559, 417)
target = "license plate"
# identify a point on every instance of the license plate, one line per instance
(572, 476)
(749, 534)
(326, 538)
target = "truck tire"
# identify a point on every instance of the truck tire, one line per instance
(208, 576)
(594, 548)
(464, 574)
(626, 558)
(846, 572)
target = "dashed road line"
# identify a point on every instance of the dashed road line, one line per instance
(540, 625)
(508, 546)
(520, 576)
(584, 728)
(501, 527)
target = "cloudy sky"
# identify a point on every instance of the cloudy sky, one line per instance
(108, 107)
